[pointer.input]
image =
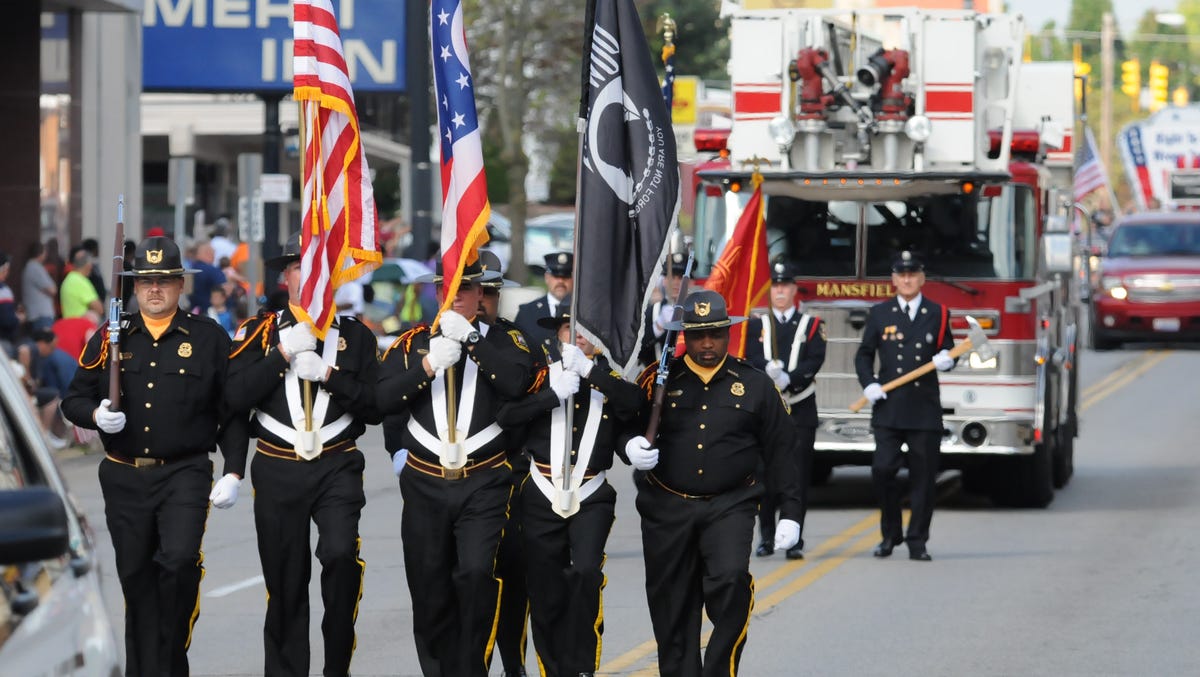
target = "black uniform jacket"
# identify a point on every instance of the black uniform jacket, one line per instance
(531, 413)
(505, 363)
(713, 436)
(257, 371)
(901, 346)
(527, 318)
(808, 362)
(172, 387)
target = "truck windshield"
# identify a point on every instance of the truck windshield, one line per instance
(961, 235)
(1155, 239)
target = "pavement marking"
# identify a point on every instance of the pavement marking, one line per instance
(1110, 384)
(1117, 373)
(234, 587)
(820, 567)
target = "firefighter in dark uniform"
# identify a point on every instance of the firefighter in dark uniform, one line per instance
(698, 496)
(157, 474)
(659, 313)
(559, 284)
(510, 559)
(456, 486)
(565, 525)
(905, 332)
(789, 345)
(303, 475)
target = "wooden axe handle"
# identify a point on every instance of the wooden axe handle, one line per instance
(962, 347)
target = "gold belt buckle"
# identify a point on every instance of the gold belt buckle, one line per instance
(145, 462)
(453, 473)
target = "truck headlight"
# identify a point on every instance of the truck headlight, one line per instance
(974, 361)
(782, 131)
(918, 128)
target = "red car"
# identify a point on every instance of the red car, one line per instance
(1149, 281)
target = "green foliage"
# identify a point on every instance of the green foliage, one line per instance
(494, 166)
(563, 166)
(1088, 15)
(701, 41)
(387, 191)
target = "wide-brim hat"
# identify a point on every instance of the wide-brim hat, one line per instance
(472, 272)
(907, 262)
(489, 261)
(560, 264)
(561, 314)
(157, 257)
(704, 309)
(290, 253)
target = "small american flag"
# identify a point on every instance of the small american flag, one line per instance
(338, 236)
(465, 207)
(1089, 172)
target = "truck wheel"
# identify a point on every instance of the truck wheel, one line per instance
(1028, 481)
(1064, 456)
(1098, 339)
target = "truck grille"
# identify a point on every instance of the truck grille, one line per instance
(1163, 288)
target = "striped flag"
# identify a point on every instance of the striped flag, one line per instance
(1089, 172)
(465, 208)
(742, 274)
(339, 237)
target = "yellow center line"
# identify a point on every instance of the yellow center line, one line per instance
(1124, 378)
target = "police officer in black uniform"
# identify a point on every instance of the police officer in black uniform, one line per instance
(303, 475)
(559, 284)
(157, 474)
(698, 496)
(904, 333)
(566, 525)
(789, 345)
(456, 486)
(510, 559)
(661, 312)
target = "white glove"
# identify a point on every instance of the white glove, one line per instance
(782, 381)
(574, 359)
(774, 368)
(225, 492)
(455, 326)
(787, 534)
(874, 393)
(564, 383)
(297, 339)
(110, 422)
(309, 366)
(943, 361)
(641, 455)
(665, 315)
(399, 460)
(443, 352)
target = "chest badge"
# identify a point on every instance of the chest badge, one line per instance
(341, 343)
(185, 349)
(738, 389)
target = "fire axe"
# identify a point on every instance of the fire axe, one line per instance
(976, 340)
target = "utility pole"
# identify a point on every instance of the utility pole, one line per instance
(1107, 30)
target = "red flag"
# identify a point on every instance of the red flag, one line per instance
(742, 274)
(339, 235)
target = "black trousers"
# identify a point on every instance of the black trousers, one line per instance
(514, 599)
(697, 556)
(288, 497)
(156, 518)
(924, 449)
(566, 578)
(451, 531)
(806, 438)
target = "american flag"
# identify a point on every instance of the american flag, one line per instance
(1089, 172)
(465, 208)
(668, 85)
(338, 236)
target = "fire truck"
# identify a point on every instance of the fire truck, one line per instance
(881, 131)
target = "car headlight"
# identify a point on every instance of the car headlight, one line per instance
(1119, 293)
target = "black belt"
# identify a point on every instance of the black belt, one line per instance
(445, 473)
(548, 472)
(146, 461)
(290, 454)
(748, 482)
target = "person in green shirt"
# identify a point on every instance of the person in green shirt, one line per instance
(77, 294)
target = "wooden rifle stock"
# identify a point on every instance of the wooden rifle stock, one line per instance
(664, 362)
(114, 311)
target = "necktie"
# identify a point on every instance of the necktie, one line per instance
(907, 313)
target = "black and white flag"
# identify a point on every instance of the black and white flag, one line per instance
(629, 183)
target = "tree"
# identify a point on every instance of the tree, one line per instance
(1088, 15)
(701, 40)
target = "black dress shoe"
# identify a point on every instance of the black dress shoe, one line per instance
(795, 552)
(919, 555)
(765, 549)
(885, 548)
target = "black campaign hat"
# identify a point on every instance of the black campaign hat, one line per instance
(488, 261)
(704, 309)
(561, 314)
(472, 272)
(677, 263)
(907, 261)
(560, 264)
(157, 257)
(783, 272)
(290, 253)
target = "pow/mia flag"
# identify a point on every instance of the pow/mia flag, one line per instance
(629, 182)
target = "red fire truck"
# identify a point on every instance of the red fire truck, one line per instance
(905, 129)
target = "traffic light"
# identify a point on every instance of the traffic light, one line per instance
(1131, 80)
(1082, 70)
(1179, 96)
(1158, 83)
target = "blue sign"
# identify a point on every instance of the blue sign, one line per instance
(246, 45)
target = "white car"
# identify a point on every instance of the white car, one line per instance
(52, 617)
(543, 235)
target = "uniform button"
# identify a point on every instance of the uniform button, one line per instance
(153, 364)
(493, 377)
(918, 345)
(145, 451)
(604, 416)
(147, 405)
(737, 406)
(704, 406)
(576, 405)
(702, 426)
(898, 370)
(705, 388)
(917, 384)
(149, 385)
(699, 446)
(575, 429)
(899, 357)
(672, 405)
(156, 344)
(700, 471)
(146, 429)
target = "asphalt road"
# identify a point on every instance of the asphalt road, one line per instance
(1100, 583)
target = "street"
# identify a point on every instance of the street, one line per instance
(1100, 583)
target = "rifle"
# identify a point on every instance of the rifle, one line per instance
(664, 362)
(114, 311)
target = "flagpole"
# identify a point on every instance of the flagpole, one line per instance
(306, 384)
